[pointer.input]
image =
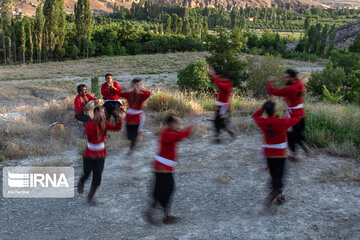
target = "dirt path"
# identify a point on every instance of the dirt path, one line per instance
(219, 196)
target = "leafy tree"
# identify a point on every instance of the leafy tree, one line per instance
(355, 46)
(224, 49)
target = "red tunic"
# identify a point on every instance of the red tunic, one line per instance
(274, 130)
(224, 89)
(96, 135)
(110, 93)
(294, 95)
(135, 101)
(168, 139)
(81, 101)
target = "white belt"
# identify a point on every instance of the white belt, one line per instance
(132, 111)
(297, 107)
(288, 113)
(96, 147)
(276, 146)
(223, 108)
(217, 103)
(165, 161)
(288, 109)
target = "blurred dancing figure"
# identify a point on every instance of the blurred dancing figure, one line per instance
(164, 166)
(94, 156)
(274, 148)
(110, 90)
(135, 117)
(222, 103)
(80, 102)
(294, 97)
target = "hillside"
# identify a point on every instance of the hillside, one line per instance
(341, 4)
(28, 7)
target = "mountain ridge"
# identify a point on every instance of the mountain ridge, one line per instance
(28, 7)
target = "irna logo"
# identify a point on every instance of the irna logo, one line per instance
(37, 180)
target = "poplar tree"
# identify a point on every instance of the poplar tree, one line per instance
(6, 20)
(39, 30)
(54, 25)
(23, 39)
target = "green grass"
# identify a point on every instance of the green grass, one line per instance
(335, 127)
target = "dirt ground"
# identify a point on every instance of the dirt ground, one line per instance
(219, 195)
(219, 189)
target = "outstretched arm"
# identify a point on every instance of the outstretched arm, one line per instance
(177, 136)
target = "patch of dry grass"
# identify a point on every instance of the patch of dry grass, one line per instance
(348, 173)
(28, 135)
(176, 103)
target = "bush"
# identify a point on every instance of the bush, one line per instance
(331, 77)
(259, 68)
(347, 60)
(329, 97)
(95, 87)
(353, 87)
(133, 48)
(195, 77)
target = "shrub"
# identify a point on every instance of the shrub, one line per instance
(95, 87)
(329, 97)
(259, 68)
(195, 77)
(331, 77)
(353, 87)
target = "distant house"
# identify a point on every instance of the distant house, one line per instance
(251, 19)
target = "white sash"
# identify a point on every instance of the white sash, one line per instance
(165, 161)
(262, 159)
(276, 146)
(223, 108)
(288, 113)
(132, 111)
(96, 147)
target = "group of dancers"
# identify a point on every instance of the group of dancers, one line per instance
(279, 134)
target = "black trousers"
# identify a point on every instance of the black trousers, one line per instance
(297, 135)
(110, 106)
(163, 189)
(94, 165)
(132, 131)
(219, 122)
(82, 117)
(276, 167)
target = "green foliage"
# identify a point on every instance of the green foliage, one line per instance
(195, 77)
(95, 87)
(355, 47)
(329, 97)
(353, 87)
(259, 68)
(224, 49)
(348, 60)
(328, 124)
(332, 77)
(54, 13)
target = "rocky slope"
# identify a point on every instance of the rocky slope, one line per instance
(28, 7)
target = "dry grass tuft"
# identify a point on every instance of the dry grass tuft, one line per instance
(176, 103)
(348, 173)
(28, 135)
